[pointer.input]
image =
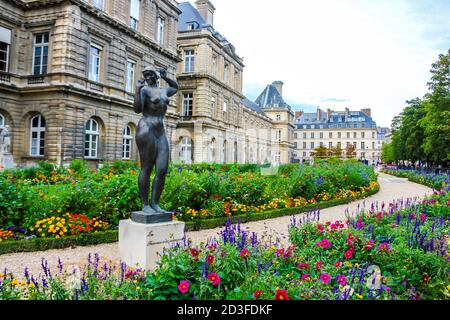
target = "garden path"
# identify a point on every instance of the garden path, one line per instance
(391, 188)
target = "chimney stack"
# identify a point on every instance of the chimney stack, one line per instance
(328, 114)
(367, 112)
(206, 9)
(298, 114)
(279, 86)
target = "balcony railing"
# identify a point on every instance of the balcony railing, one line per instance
(5, 77)
(186, 118)
(36, 79)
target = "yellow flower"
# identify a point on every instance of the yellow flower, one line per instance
(56, 237)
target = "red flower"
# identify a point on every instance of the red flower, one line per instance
(210, 259)
(280, 252)
(214, 278)
(319, 265)
(369, 245)
(303, 266)
(384, 247)
(256, 294)
(194, 252)
(306, 276)
(244, 253)
(423, 217)
(337, 264)
(348, 254)
(183, 287)
(281, 295)
(325, 243)
(320, 228)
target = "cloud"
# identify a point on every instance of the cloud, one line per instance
(334, 100)
(376, 54)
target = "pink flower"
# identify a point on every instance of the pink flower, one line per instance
(244, 253)
(305, 276)
(325, 278)
(319, 265)
(320, 228)
(280, 252)
(360, 224)
(183, 287)
(413, 216)
(333, 227)
(380, 215)
(325, 243)
(337, 264)
(214, 278)
(384, 247)
(342, 280)
(369, 245)
(348, 254)
(423, 217)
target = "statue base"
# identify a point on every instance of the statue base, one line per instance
(7, 161)
(140, 245)
(150, 218)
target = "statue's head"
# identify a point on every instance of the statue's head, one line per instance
(151, 75)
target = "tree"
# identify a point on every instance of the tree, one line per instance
(387, 153)
(350, 151)
(321, 152)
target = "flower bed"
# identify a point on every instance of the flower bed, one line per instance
(432, 180)
(394, 251)
(30, 196)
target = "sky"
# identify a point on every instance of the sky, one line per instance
(338, 53)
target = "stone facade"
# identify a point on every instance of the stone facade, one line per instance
(332, 128)
(74, 88)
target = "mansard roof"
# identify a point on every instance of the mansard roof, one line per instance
(253, 106)
(335, 119)
(271, 98)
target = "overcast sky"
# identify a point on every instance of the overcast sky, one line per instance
(338, 53)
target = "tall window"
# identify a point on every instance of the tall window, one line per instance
(126, 143)
(373, 145)
(330, 145)
(339, 135)
(189, 61)
(213, 107)
(278, 135)
(190, 26)
(188, 102)
(2, 121)
(99, 4)
(5, 41)
(224, 110)
(348, 135)
(92, 133)
(312, 145)
(131, 71)
(304, 135)
(363, 135)
(330, 135)
(37, 136)
(214, 66)
(304, 145)
(321, 135)
(134, 13)
(277, 157)
(160, 31)
(225, 73)
(94, 63)
(186, 150)
(278, 117)
(236, 80)
(312, 135)
(355, 135)
(363, 145)
(40, 54)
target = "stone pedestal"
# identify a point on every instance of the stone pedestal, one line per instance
(7, 161)
(141, 244)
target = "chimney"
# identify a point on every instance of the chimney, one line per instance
(318, 114)
(328, 114)
(298, 114)
(367, 112)
(279, 86)
(206, 10)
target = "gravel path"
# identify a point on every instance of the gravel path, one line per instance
(391, 188)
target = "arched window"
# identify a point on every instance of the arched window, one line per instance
(212, 151)
(37, 136)
(127, 138)
(186, 150)
(92, 133)
(235, 153)
(224, 152)
(2, 120)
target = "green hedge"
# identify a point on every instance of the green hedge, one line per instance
(42, 244)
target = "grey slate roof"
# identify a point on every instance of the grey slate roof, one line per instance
(189, 14)
(334, 120)
(253, 106)
(271, 98)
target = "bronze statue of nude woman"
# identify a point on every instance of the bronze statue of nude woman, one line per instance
(152, 142)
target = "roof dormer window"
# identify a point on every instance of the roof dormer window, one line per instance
(191, 26)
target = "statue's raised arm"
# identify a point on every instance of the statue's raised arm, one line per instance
(173, 85)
